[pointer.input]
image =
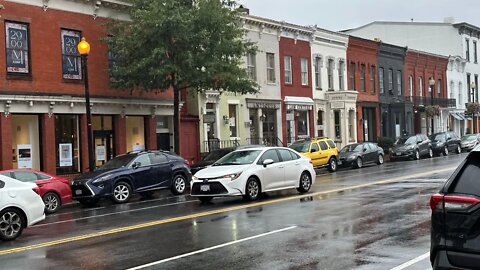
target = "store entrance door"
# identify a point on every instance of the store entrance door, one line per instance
(103, 146)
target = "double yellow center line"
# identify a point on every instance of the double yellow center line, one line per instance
(209, 213)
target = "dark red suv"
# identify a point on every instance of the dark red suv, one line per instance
(455, 235)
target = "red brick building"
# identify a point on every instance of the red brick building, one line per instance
(42, 105)
(362, 77)
(420, 67)
(296, 85)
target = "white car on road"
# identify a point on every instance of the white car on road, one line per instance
(20, 207)
(250, 172)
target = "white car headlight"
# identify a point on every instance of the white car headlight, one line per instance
(231, 176)
(194, 178)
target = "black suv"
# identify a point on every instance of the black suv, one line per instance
(455, 235)
(136, 172)
(446, 142)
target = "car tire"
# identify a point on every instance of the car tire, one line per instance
(122, 192)
(179, 184)
(358, 163)
(205, 199)
(88, 202)
(146, 194)
(332, 165)
(417, 155)
(305, 183)
(12, 223)
(430, 153)
(459, 149)
(380, 160)
(445, 151)
(252, 189)
(52, 202)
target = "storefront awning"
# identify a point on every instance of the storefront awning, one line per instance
(458, 116)
(298, 103)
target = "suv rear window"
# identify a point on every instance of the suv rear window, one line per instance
(331, 143)
(467, 180)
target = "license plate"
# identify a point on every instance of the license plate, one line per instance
(78, 192)
(205, 188)
(339, 162)
(399, 154)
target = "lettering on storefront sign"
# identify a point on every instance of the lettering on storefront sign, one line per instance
(299, 107)
(255, 105)
(71, 62)
(337, 105)
(17, 48)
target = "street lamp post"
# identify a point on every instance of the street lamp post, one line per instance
(474, 124)
(431, 82)
(84, 50)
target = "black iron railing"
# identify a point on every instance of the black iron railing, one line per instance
(426, 101)
(214, 144)
(268, 141)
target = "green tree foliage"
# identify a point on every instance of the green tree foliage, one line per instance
(180, 44)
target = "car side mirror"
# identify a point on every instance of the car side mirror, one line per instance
(419, 142)
(267, 162)
(136, 165)
(313, 150)
(364, 149)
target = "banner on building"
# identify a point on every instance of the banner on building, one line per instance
(17, 60)
(71, 61)
(24, 153)
(65, 154)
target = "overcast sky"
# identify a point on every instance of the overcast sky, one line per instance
(344, 14)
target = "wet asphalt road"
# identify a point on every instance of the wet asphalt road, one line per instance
(351, 219)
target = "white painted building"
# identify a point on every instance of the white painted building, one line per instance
(458, 41)
(335, 105)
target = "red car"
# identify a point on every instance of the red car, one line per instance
(54, 190)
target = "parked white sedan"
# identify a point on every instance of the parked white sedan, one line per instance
(249, 172)
(20, 207)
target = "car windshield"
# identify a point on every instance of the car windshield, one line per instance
(118, 162)
(406, 140)
(352, 148)
(300, 147)
(215, 155)
(469, 137)
(437, 137)
(238, 158)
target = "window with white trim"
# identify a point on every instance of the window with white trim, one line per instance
(251, 66)
(271, 68)
(341, 70)
(287, 61)
(304, 70)
(318, 73)
(381, 83)
(330, 74)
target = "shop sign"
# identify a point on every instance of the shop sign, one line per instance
(71, 62)
(16, 35)
(299, 107)
(209, 118)
(337, 105)
(24, 153)
(263, 105)
(100, 152)
(65, 154)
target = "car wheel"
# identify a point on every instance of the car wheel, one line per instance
(358, 163)
(332, 165)
(305, 183)
(417, 155)
(252, 189)
(146, 194)
(380, 159)
(205, 199)
(11, 224)
(445, 151)
(88, 202)
(179, 184)
(459, 149)
(121, 192)
(52, 202)
(430, 153)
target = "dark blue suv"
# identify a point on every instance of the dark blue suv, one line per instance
(139, 172)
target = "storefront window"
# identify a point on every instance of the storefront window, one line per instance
(103, 139)
(302, 123)
(232, 116)
(135, 133)
(67, 144)
(351, 124)
(25, 142)
(338, 134)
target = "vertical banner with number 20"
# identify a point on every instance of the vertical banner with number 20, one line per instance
(16, 35)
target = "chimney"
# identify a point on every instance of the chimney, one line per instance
(449, 20)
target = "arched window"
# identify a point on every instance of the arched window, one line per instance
(410, 86)
(420, 87)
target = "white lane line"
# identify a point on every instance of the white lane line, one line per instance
(110, 214)
(210, 248)
(412, 262)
